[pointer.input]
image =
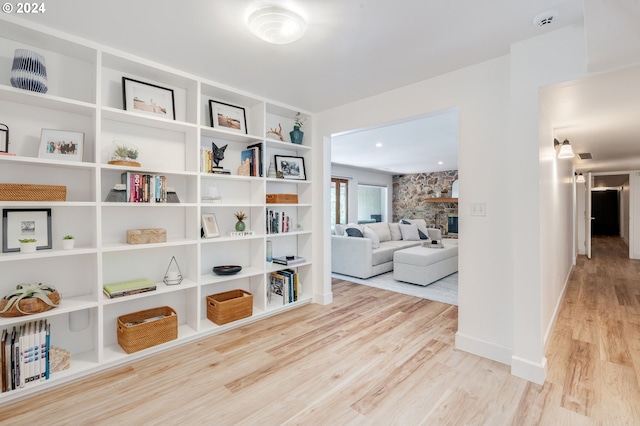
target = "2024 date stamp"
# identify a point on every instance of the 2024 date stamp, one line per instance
(24, 8)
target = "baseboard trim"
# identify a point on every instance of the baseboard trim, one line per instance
(532, 371)
(483, 348)
(323, 299)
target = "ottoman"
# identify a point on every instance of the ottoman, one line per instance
(424, 265)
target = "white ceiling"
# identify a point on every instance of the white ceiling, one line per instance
(358, 48)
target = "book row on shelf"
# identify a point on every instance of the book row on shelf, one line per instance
(25, 355)
(144, 188)
(284, 287)
(277, 222)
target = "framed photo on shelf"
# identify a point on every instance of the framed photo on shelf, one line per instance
(148, 98)
(290, 167)
(209, 225)
(63, 145)
(18, 224)
(228, 117)
(4, 138)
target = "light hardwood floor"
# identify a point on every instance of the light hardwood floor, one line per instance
(376, 357)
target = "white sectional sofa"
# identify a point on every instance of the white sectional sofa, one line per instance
(372, 254)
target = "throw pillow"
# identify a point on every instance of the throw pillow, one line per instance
(353, 232)
(435, 234)
(381, 229)
(409, 232)
(422, 227)
(370, 234)
(394, 230)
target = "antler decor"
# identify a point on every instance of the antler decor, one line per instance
(277, 132)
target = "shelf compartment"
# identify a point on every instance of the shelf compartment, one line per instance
(46, 101)
(161, 288)
(253, 107)
(71, 67)
(184, 184)
(114, 67)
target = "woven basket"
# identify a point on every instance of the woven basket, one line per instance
(31, 305)
(27, 192)
(134, 334)
(229, 306)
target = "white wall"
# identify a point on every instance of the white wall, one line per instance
(634, 220)
(503, 302)
(359, 176)
(624, 212)
(538, 209)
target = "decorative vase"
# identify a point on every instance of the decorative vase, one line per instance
(271, 172)
(296, 135)
(28, 247)
(29, 71)
(240, 226)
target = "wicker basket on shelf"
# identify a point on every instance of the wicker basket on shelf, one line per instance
(229, 306)
(28, 192)
(143, 329)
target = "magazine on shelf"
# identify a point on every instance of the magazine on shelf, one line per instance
(289, 260)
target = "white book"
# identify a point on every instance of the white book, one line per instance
(43, 348)
(24, 341)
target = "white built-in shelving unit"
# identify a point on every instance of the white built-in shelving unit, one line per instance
(85, 94)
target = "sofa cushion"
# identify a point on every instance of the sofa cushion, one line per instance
(353, 232)
(383, 254)
(409, 232)
(423, 234)
(375, 240)
(381, 229)
(394, 230)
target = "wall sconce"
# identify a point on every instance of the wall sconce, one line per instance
(579, 177)
(565, 148)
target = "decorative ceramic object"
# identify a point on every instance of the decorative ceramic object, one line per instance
(29, 299)
(296, 135)
(240, 225)
(29, 71)
(271, 172)
(227, 269)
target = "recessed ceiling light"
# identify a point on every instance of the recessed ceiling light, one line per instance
(379, 144)
(277, 25)
(440, 163)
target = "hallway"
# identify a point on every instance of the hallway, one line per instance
(594, 353)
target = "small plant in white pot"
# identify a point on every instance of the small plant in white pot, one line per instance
(68, 242)
(28, 245)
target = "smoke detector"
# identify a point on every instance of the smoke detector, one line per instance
(545, 18)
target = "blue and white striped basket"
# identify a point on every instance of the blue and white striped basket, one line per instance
(29, 71)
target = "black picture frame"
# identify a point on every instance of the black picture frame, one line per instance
(228, 117)
(147, 98)
(290, 167)
(25, 223)
(4, 138)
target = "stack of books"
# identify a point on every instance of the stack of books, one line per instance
(127, 288)
(253, 157)
(144, 188)
(24, 355)
(284, 287)
(289, 260)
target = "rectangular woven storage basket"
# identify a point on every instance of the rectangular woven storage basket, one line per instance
(134, 334)
(28, 192)
(229, 306)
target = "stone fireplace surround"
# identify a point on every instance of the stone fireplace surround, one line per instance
(411, 191)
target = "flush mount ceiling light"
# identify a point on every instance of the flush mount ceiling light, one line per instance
(565, 148)
(276, 25)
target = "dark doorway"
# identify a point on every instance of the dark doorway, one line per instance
(605, 210)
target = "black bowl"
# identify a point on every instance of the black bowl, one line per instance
(227, 269)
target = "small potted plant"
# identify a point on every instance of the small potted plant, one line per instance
(240, 225)
(296, 134)
(28, 245)
(29, 299)
(124, 155)
(68, 242)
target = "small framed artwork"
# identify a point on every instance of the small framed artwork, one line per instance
(148, 98)
(290, 167)
(4, 138)
(209, 225)
(227, 117)
(63, 145)
(18, 224)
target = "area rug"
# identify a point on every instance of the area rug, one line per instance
(444, 290)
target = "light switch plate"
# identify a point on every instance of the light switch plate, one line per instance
(479, 209)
